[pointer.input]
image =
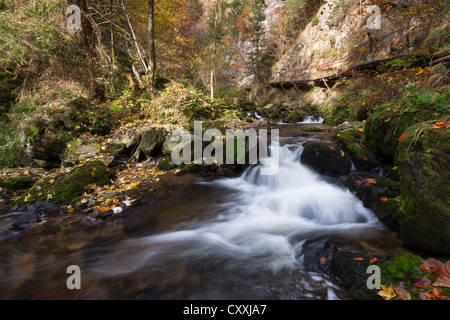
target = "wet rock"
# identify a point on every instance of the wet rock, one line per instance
(377, 193)
(344, 260)
(26, 220)
(326, 159)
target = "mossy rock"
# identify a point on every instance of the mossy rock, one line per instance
(424, 162)
(352, 140)
(67, 185)
(370, 193)
(166, 164)
(19, 179)
(326, 159)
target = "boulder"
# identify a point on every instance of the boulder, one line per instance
(326, 159)
(152, 141)
(424, 161)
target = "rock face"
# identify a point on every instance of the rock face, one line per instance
(424, 162)
(326, 159)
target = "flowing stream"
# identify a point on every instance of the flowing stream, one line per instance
(226, 238)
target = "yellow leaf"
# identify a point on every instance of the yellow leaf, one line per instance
(51, 181)
(386, 293)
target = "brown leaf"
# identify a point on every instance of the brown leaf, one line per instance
(422, 282)
(444, 282)
(402, 294)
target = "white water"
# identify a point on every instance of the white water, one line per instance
(262, 225)
(311, 119)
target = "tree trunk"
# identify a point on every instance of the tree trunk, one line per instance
(97, 91)
(151, 44)
(213, 59)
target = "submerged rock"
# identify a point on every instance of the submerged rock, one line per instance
(424, 162)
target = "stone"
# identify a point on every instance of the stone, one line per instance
(326, 159)
(152, 141)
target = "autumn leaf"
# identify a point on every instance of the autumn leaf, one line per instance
(402, 137)
(422, 282)
(373, 260)
(51, 181)
(364, 158)
(402, 293)
(358, 259)
(384, 198)
(386, 293)
(323, 259)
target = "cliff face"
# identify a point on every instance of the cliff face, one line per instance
(341, 34)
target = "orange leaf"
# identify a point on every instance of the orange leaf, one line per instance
(364, 158)
(402, 137)
(323, 259)
(373, 260)
(358, 259)
(436, 292)
(425, 268)
(383, 198)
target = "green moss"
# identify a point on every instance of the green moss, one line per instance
(404, 266)
(67, 187)
(424, 159)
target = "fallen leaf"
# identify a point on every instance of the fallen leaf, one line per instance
(384, 198)
(437, 292)
(323, 259)
(402, 137)
(364, 158)
(386, 293)
(51, 181)
(373, 260)
(358, 259)
(422, 282)
(402, 294)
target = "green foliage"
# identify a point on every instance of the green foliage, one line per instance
(27, 33)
